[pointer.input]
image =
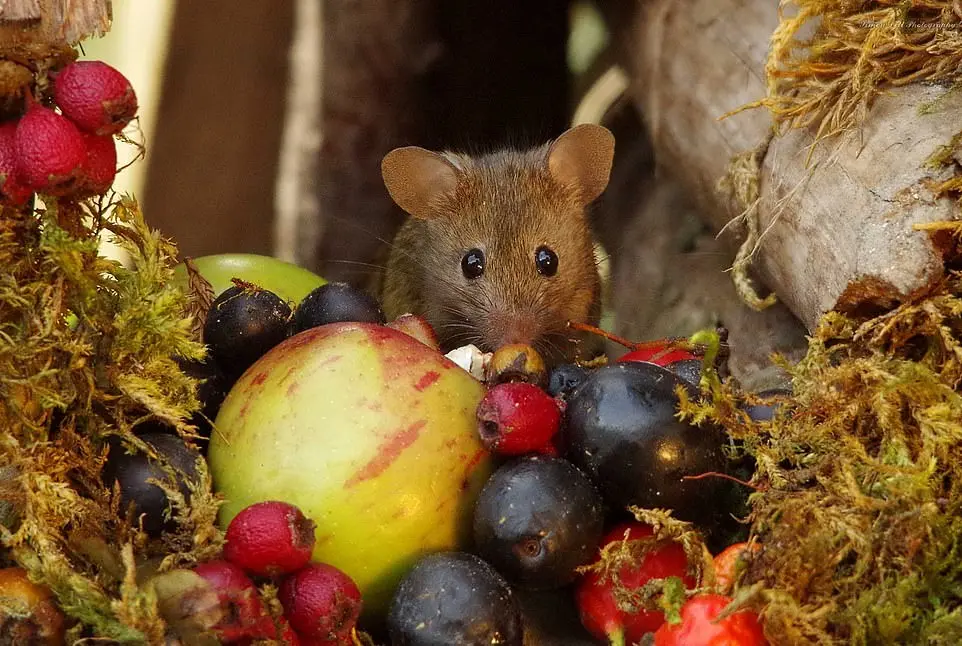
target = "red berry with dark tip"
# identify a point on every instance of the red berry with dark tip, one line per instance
(49, 150)
(12, 187)
(95, 96)
(270, 538)
(96, 173)
(516, 418)
(322, 604)
(244, 616)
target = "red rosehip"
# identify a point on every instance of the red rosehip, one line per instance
(516, 418)
(95, 96)
(96, 173)
(11, 185)
(270, 538)
(245, 616)
(700, 625)
(598, 607)
(49, 150)
(661, 354)
(322, 604)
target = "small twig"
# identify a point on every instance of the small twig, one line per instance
(716, 474)
(676, 343)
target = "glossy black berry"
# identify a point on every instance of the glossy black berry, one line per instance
(564, 378)
(537, 520)
(336, 303)
(134, 472)
(243, 323)
(454, 598)
(472, 264)
(621, 428)
(546, 261)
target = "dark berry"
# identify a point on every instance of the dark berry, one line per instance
(336, 303)
(621, 428)
(243, 323)
(564, 378)
(454, 598)
(133, 473)
(537, 520)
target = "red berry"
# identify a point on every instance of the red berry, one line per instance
(49, 150)
(322, 604)
(516, 418)
(270, 538)
(596, 600)
(244, 615)
(727, 563)
(11, 186)
(699, 626)
(661, 354)
(95, 96)
(96, 173)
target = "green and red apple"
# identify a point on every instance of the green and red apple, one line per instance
(371, 433)
(291, 282)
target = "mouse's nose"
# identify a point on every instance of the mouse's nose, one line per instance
(516, 328)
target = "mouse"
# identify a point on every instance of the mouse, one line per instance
(497, 248)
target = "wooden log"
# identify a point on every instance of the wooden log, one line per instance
(668, 269)
(52, 23)
(211, 166)
(374, 54)
(838, 228)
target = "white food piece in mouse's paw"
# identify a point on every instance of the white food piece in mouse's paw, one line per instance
(470, 358)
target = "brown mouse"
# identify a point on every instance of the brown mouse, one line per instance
(498, 247)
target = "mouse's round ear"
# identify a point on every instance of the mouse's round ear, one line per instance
(417, 179)
(581, 157)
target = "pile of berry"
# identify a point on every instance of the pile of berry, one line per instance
(70, 153)
(576, 446)
(273, 541)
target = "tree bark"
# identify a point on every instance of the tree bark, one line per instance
(212, 162)
(52, 22)
(837, 230)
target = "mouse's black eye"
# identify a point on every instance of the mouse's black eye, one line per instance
(546, 261)
(472, 264)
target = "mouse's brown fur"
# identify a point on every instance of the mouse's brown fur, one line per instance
(507, 204)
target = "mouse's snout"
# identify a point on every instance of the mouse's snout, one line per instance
(513, 327)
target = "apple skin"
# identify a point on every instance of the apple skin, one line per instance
(291, 282)
(371, 433)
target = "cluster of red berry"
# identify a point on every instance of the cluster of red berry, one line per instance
(70, 153)
(273, 541)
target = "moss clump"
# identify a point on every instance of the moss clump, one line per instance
(828, 79)
(858, 501)
(88, 349)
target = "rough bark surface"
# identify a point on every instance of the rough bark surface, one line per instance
(375, 55)
(837, 228)
(668, 269)
(52, 22)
